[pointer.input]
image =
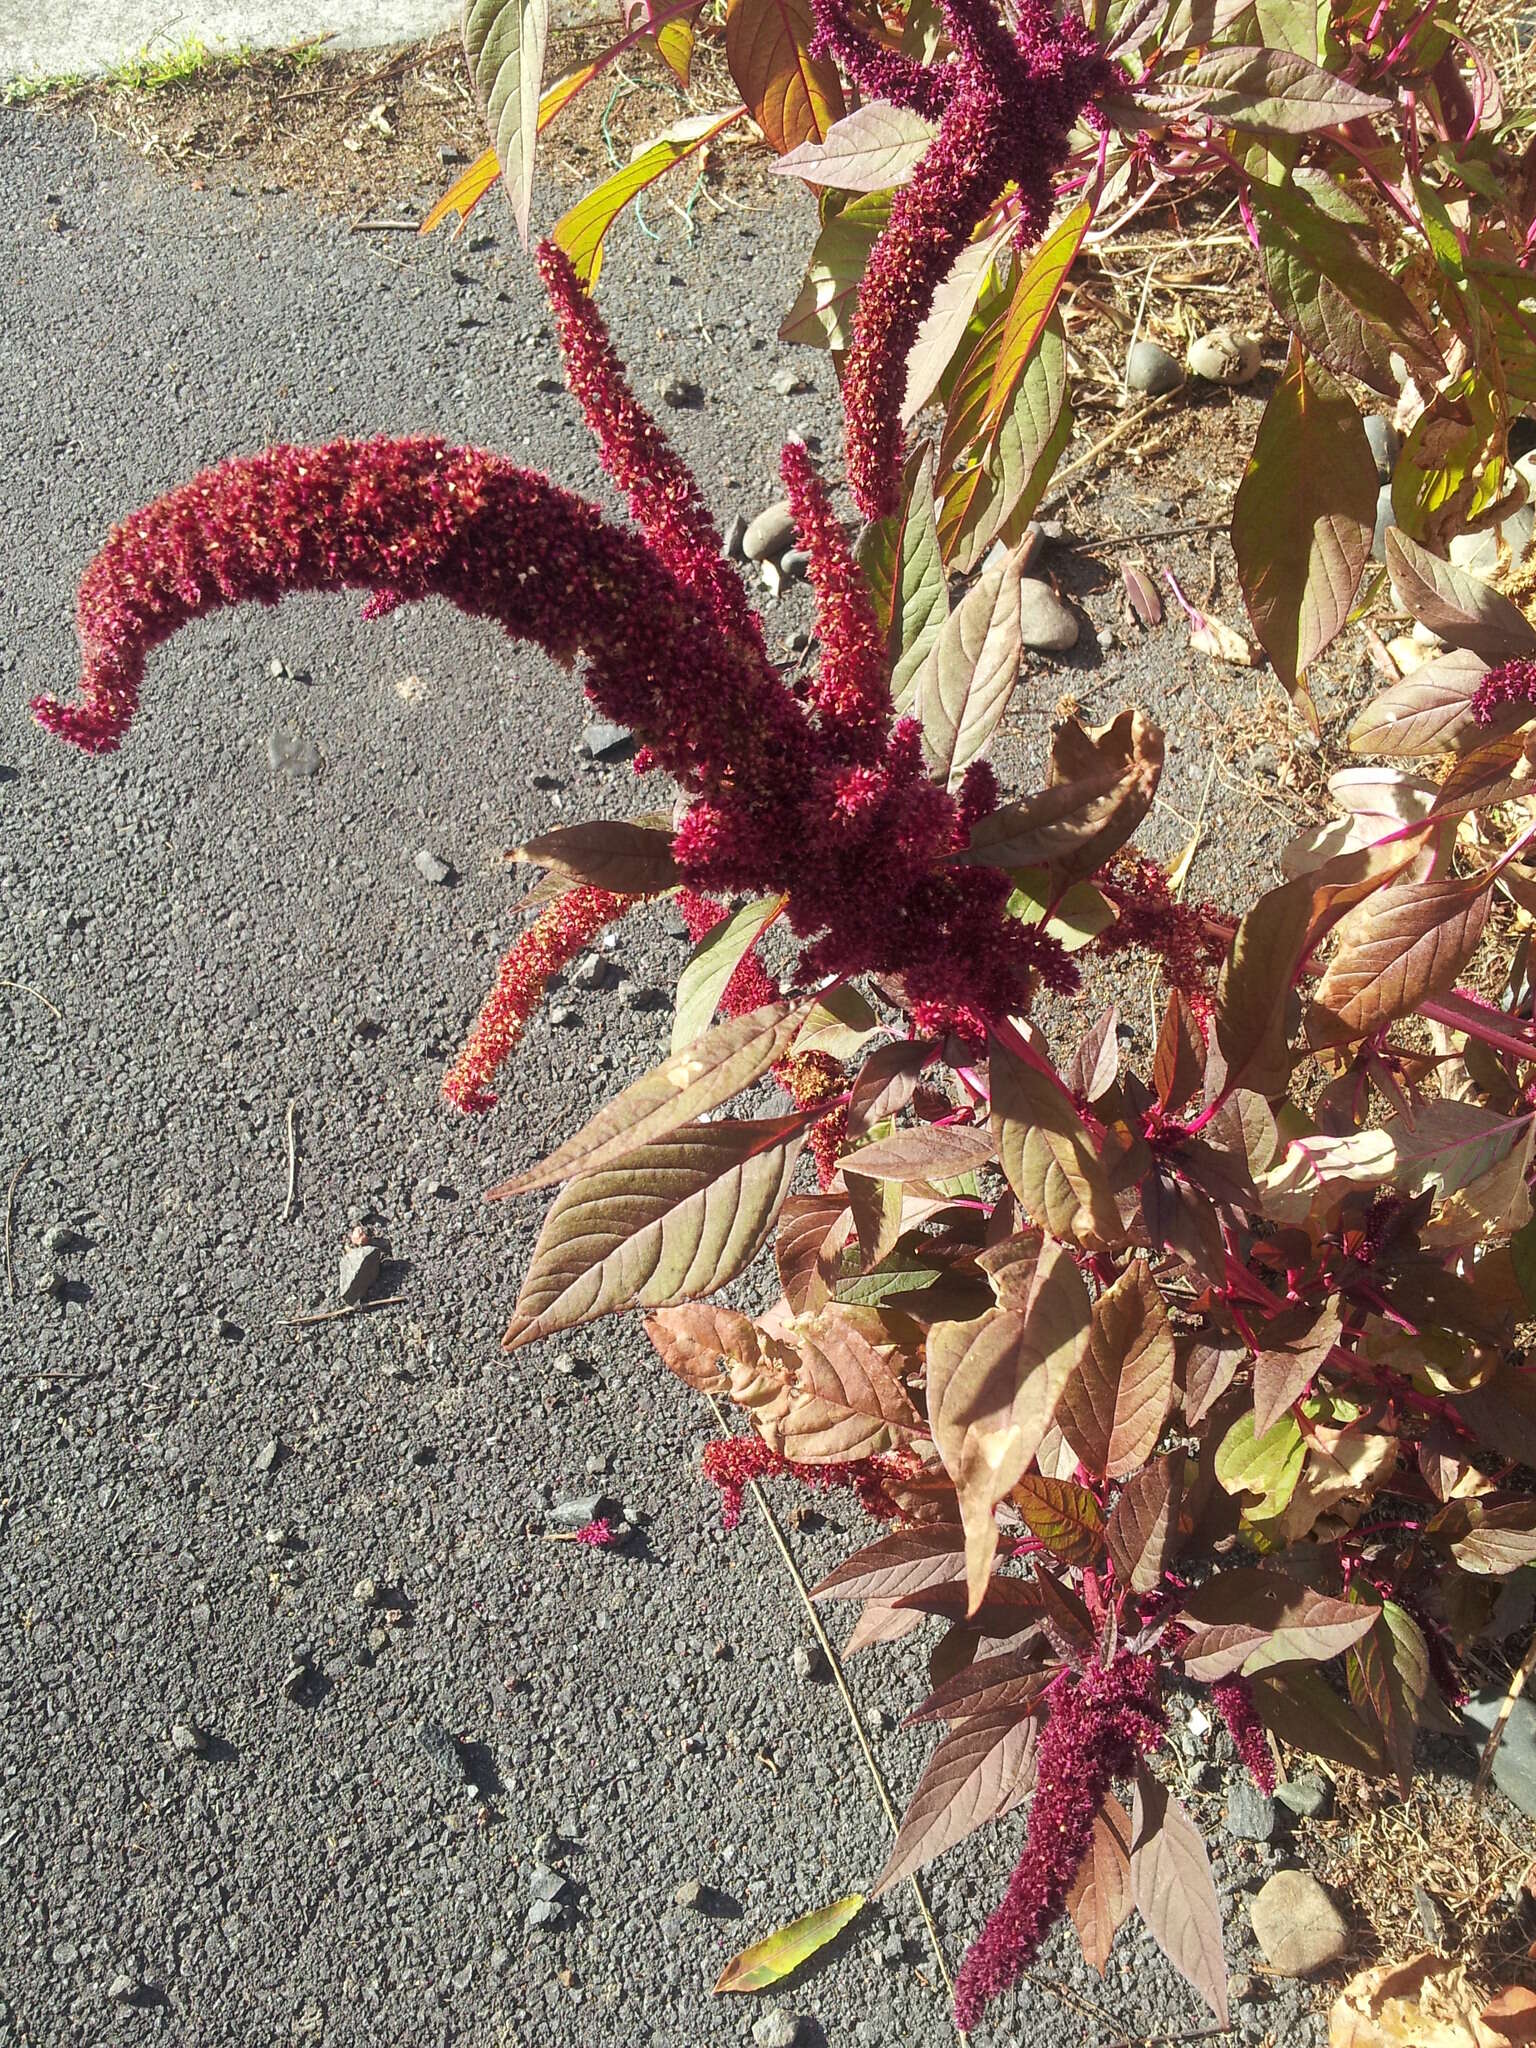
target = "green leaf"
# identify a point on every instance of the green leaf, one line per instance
(580, 230)
(872, 150)
(943, 331)
(994, 494)
(1035, 293)
(1329, 283)
(1303, 517)
(1075, 921)
(504, 43)
(774, 1958)
(686, 1085)
(839, 1022)
(822, 315)
(1267, 1467)
(964, 686)
(711, 964)
(905, 572)
(1451, 467)
(667, 1222)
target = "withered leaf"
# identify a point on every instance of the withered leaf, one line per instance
(1074, 826)
(606, 853)
(845, 1400)
(1114, 1406)
(696, 1340)
(1100, 1900)
(727, 1059)
(673, 1220)
(1288, 1363)
(772, 1959)
(1175, 1892)
(969, 1779)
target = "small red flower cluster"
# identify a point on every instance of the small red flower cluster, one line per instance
(732, 1463)
(1190, 939)
(1100, 1723)
(1006, 104)
(1512, 682)
(598, 1535)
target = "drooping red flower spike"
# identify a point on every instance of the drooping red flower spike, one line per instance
(1100, 1724)
(852, 691)
(1233, 1700)
(1006, 105)
(551, 942)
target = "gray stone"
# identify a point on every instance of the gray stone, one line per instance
(777, 2028)
(1309, 1797)
(123, 1989)
(735, 534)
(769, 534)
(1298, 1924)
(563, 1017)
(187, 1738)
(788, 383)
(1152, 370)
(1514, 1761)
(57, 1238)
(594, 972)
(808, 1662)
(295, 1679)
(543, 1913)
(1384, 519)
(576, 1513)
(604, 741)
(432, 867)
(794, 564)
(357, 1273)
(681, 393)
(1045, 623)
(266, 1458)
(289, 753)
(1250, 1813)
(1382, 436)
(366, 1592)
(1224, 357)
(547, 1884)
(691, 1894)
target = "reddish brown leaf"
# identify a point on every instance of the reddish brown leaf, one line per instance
(844, 1399)
(927, 1152)
(886, 1083)
(1074, 826)
(1283, 1370)
(1143, 1532)
(1100, 1900)
(1298, 1704)
(1404, 943)
(1178, 1066)
(1245, 1620)
(608, 853)
(792, 96)
(1389, 1672)
(812, 1230)
(1013, 1679)
(697, 1340)
(969, 1779)
(881, 1622)
(1048, 1153)
(1501, 1538)
(1428, 712)
(1209, 1370)
(1095, 1066)
(903, 1562)
(1175, 1892)
(1066, 1518)
(1459, 607)
(1114, 1406)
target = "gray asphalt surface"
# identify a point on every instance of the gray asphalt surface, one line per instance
(356, 1864)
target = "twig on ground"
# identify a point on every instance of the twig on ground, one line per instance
(834, 1664)
(1116, 434)
(335, 1315)
(27, 990)
(1134, 540)
(293, 1162)
(10, 1224)
(1496, 1732)
(383, 227)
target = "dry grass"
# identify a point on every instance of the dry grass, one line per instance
(1379, 1848)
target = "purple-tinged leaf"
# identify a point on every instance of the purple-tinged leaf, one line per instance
(1175, 1892)
(1143, 1532)
(1100, 1900)
(1456, 605)
(970, 1778)
(1242, 1622)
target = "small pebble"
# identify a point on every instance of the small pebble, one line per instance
(123, 1989)
(1298, 1924)
(789, 383)
(1224, 357)
(1309, 1797)
(1151, 370)
(578, 1511)
(808, 1663)
(295, 1680)
(1045, 623)
(366, 1592)
(769, 534)
(266, 1458)
(563, 1017)
(547, 1884)
(793, 565)
(604, 741)
(1382, 436)
(681, 393)
(1250, 1813)
(1384, 519)
(188, 1739)
(690, 1894)
(543, 1913)
(57, 1238)
(735, 534)
(431, 867)
(357, 1273)
(289, 753)
(777, 2028)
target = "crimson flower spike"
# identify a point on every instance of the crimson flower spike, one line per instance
(1006, 103)
(852, 690)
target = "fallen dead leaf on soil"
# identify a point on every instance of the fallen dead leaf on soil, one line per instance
(1427, 2003)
